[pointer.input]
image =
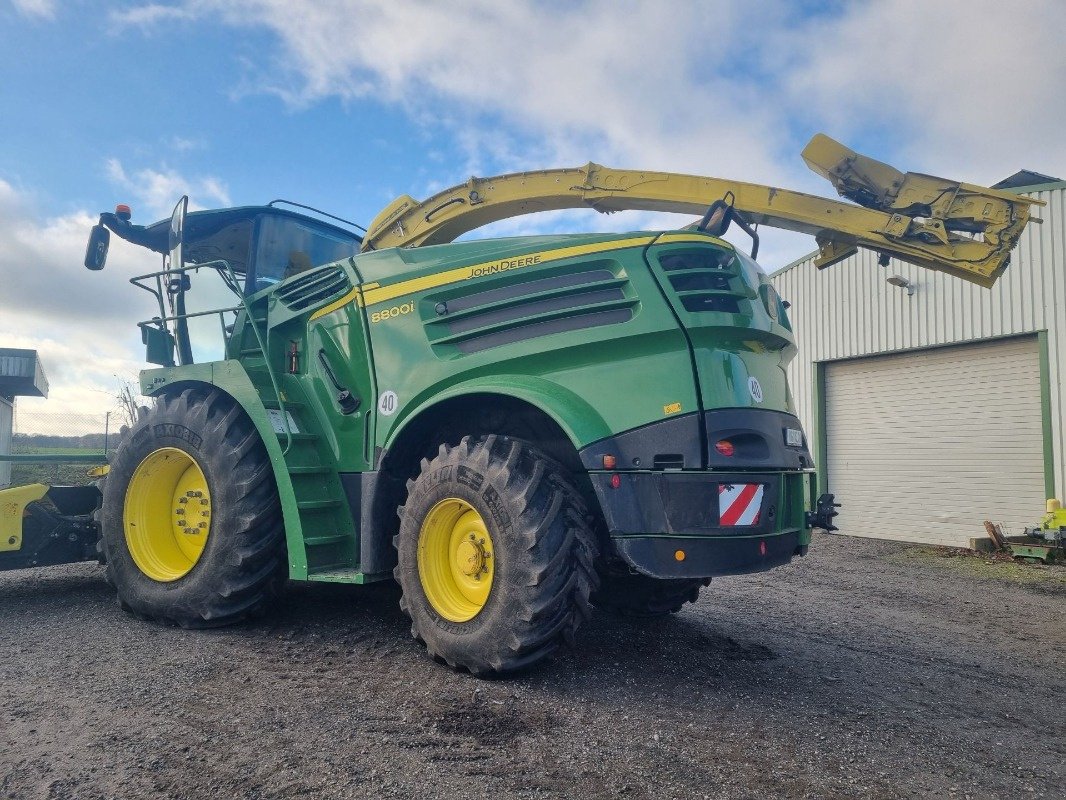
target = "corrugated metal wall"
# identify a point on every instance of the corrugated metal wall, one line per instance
(849, 310)
(966, 445)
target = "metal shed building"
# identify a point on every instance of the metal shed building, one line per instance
(935, 405)
(21, 373)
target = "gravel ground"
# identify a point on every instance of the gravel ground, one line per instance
(867, 669)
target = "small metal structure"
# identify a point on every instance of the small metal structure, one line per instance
(21, 375)
(1046, 541)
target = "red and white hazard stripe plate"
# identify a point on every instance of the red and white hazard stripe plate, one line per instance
(739, 503)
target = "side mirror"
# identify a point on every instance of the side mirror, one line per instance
(718, 218)
(96, 250)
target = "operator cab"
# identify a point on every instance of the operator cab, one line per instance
(252, 248)
(288, 245)
(263, 244)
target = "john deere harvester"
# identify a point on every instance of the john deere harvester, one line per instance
(513, 429)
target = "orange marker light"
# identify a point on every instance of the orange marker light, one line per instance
(679, 555)
(609, 462)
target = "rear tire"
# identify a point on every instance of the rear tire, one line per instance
(224, 559)
(495, 556)
(641, 596)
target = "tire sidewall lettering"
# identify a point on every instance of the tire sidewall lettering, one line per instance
(491, 499)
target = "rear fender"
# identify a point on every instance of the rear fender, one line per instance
(578, 419)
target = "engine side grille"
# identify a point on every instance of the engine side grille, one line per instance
(313, 288)
(592, 297)
(705, 280)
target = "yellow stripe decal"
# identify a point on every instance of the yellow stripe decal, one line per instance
(354, 294)
(391, 292)
(371, 293)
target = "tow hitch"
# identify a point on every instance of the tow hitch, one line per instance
(823, 514)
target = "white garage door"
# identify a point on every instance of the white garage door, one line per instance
(925, 446)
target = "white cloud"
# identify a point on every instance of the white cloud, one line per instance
(45, 9)
(597, 80)
(182, 144)
(159, 190)
(82, 323)
(970, 89)
(973, 89)
(153, 14)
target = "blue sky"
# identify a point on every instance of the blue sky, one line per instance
(345, 104)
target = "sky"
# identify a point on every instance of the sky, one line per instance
(345, 104)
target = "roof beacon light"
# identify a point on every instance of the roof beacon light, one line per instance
(123, 212)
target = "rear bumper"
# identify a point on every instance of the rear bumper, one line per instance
(704, 557)
(671, 525)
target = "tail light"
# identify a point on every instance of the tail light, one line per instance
(725, 447)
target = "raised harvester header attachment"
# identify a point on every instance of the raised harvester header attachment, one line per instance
(952, 227)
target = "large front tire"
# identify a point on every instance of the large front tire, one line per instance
(192, 532)
(495, 556)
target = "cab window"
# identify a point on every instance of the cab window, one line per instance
(288, 247)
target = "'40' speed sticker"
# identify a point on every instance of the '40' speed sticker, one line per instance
(388, 403)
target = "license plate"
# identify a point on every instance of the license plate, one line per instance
(739, 503)
(793, 437)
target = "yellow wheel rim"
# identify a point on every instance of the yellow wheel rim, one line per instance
(167, 514)
(456, 560)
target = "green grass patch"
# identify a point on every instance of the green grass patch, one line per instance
(56, 451)
(993, 566)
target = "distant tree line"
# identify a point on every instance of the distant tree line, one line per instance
(34, 441)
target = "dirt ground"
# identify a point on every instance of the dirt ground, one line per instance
(867, 669)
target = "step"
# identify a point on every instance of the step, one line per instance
(333, 538)
(299, 437)
(317, 469)
(337, 574)
(278, 404)
(317, 505)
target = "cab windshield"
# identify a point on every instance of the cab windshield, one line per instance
(287, 247)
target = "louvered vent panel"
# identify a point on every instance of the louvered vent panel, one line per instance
(314, 288)
(705, 280)
(498, 316)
